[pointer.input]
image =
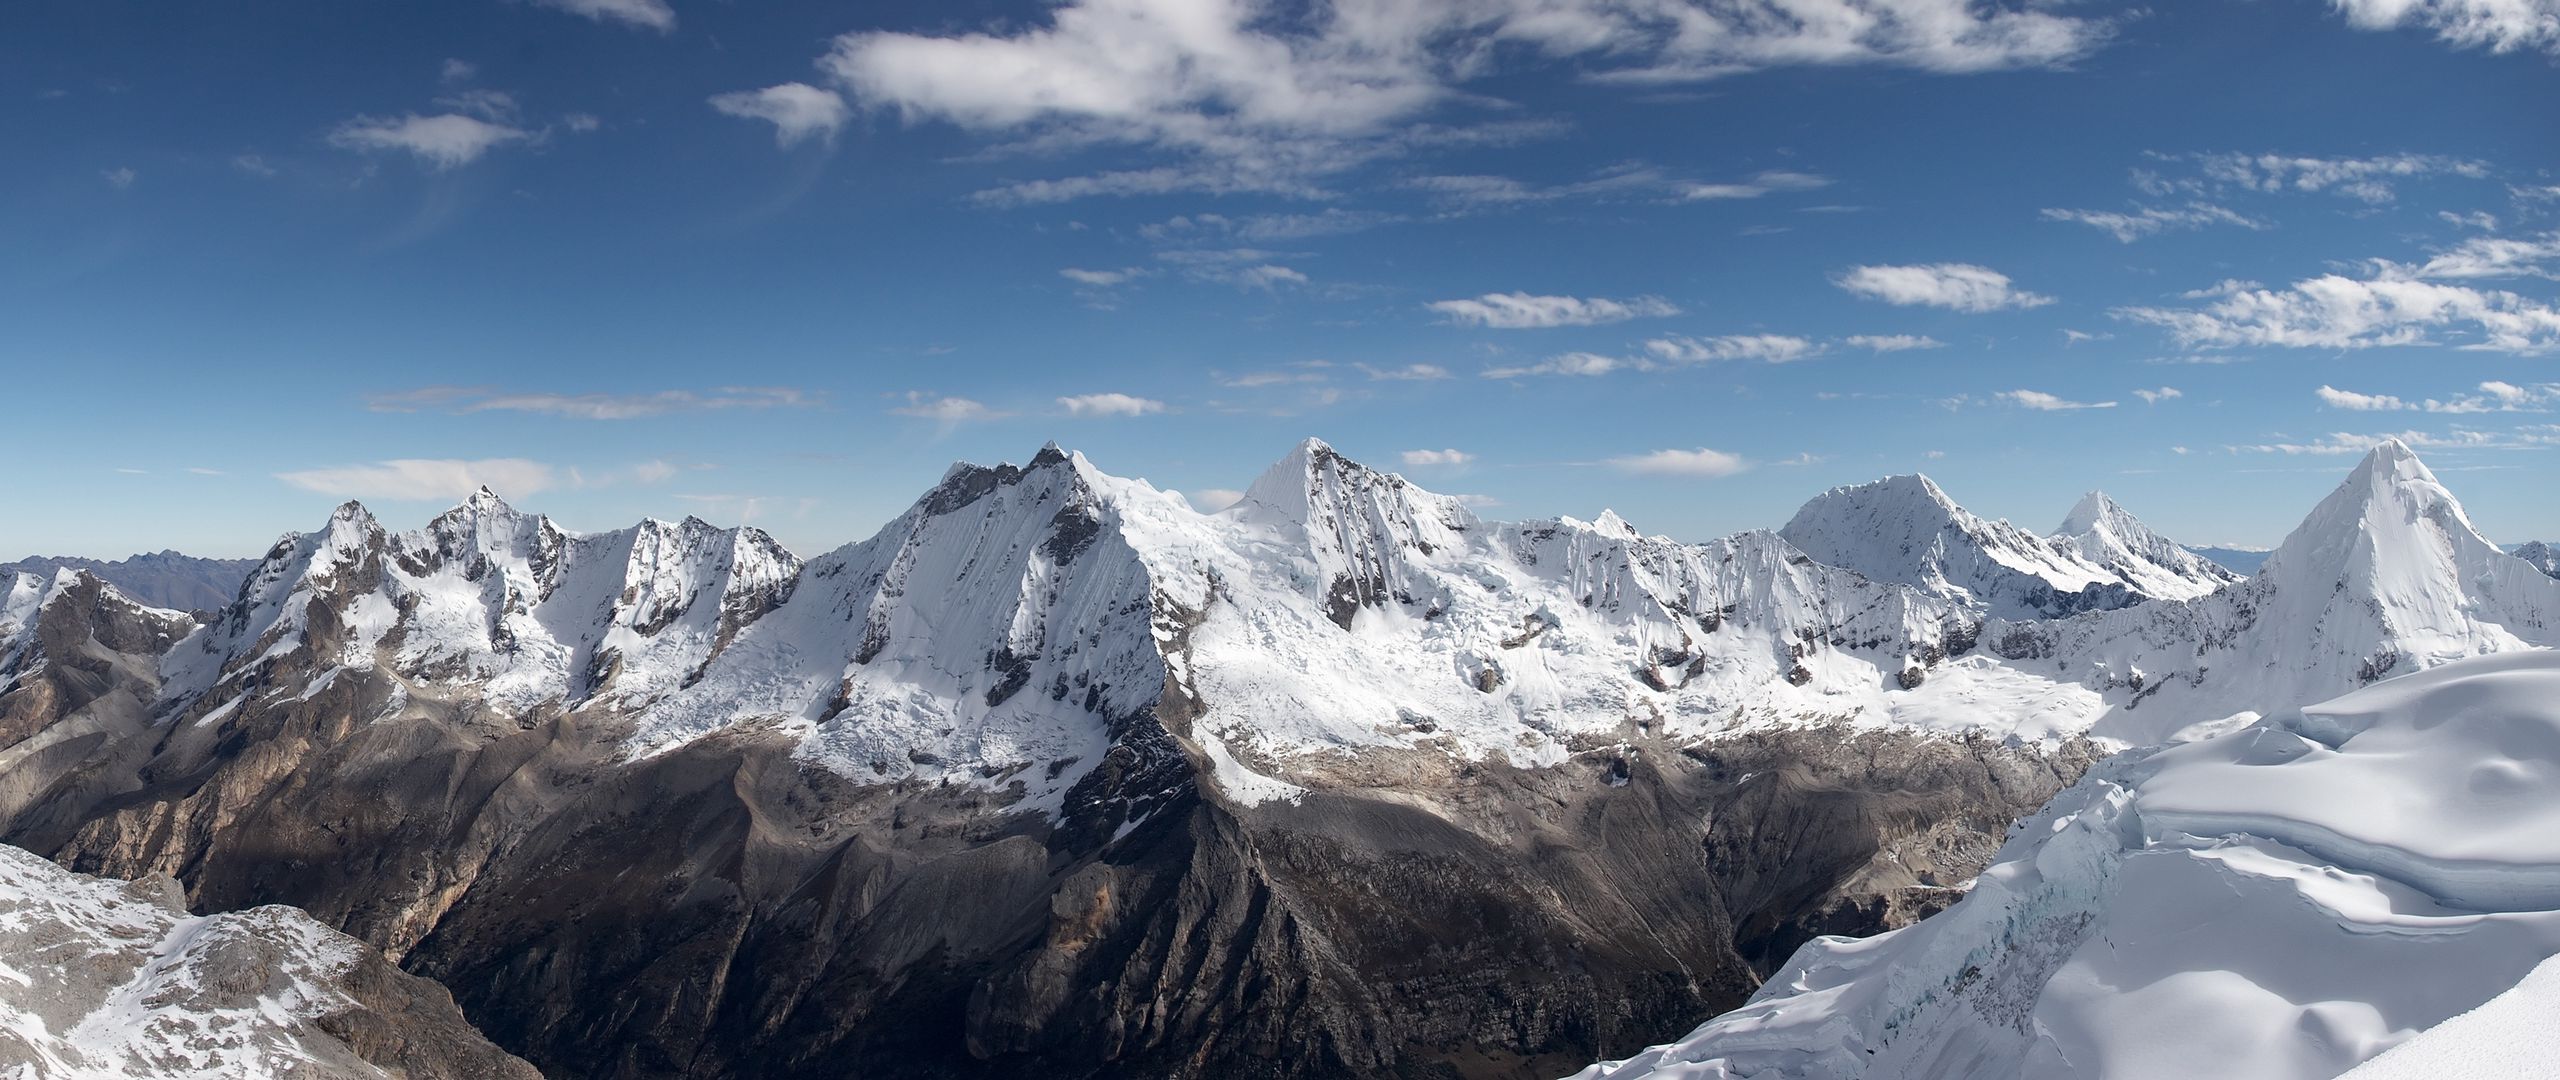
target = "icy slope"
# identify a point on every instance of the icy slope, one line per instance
(104, 980)
(2107, 534)
(2282, 901)
(1903, 529)
(489, 598)
(2385, 576)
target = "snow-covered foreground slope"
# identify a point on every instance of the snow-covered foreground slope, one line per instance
(105, 980)
(2385, 576)
(2282, 901)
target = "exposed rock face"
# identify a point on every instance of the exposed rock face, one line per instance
(107, 979)
(163, 579)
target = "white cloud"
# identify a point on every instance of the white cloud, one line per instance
(1774, 180)
(2478, 219)
(447, 141)
(1426, 458)
(1700, 462)
(2482, 257)
(2347, 399)
(2532, 437)
(2499, 25)
(1102, 279)
(253, 164)
(1524, 311)
(1268, 276)
(1265, 228)
(1245, 99)
(457, 71)
(2044, 402)
(2145, 221)
(2154, 397)
(2335, 312)
(1407, 373)
(797, 111)
(119, 178)
(649, 14)
(1573, 363)
(1886, 343)
(2368, 180)
(1769, 348)
(949, 410)
(420, 479)
(1109, 405)
(1212, 500)
(1954, 286)
(471, 399)
(2493, 397)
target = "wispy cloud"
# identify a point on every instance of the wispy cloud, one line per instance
(798, 111)
(1096, 405)
(1888, 343)
(2128, 227)
(1954, 286)
(645, 14)
(421, 479)
(1766, 348)
(2336, 312)
(948, 410)
(472, 399)
(2532, 437)
(2165, 393)
(1237, 101)
(1407, 373)
(2499, 26)
(1526, 311)
(1701, 462)
(1436, 458)
(2492, 397)
(446, 141)
(2044, 402)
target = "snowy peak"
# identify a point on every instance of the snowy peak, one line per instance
(1905, 530)
(1365, 531)
(2103, 532)
(2389, 511)
(493, 597)
(2093, 509)
(2540, 556)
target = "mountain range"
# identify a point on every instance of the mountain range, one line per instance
(164, 579)
(1058, 776)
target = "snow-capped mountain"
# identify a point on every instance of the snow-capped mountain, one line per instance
(2282, 901)
(109, 980)
(2385, 576)
(2540, 555)
(2155, 566)
(1905, 530)
(503, 603)
(163, 579)
(1053, 744)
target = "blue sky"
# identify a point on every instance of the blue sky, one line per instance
(1691, 259)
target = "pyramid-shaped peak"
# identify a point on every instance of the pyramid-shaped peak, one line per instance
(2393, 458)
(2085, 515)
(1609, 522)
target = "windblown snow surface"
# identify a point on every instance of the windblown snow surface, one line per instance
(101, 980)
(2282, 901)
